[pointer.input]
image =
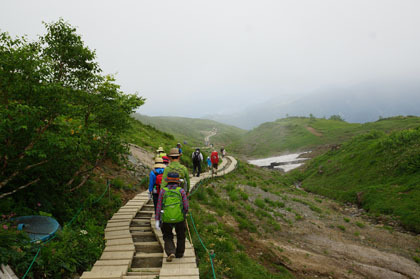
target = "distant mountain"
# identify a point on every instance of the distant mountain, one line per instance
(357, 104)
(193, 130)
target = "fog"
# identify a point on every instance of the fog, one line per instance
(198, 58)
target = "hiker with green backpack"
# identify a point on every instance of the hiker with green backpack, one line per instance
(171, 209)
(175, 166)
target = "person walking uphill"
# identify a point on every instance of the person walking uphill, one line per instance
(160, 152)
(172, 207)
(214, 157)
(175, 166)
(197, 158)
(155, 180)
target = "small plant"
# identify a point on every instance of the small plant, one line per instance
(118, 183)
(341, 227)
(244, 195)
(260, 203)
(315, 209)
(360, 225)
(416, 259)
(346, 219)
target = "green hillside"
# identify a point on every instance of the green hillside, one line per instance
(304, 133)
(151, 138)
(193, 130)
(231, 220)
(377, 171)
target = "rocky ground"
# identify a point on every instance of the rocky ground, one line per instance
(337, 241)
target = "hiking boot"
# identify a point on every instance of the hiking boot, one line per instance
(170, 258)
(179, 256)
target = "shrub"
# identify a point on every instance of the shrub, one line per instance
(260, 203)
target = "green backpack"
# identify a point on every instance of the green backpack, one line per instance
(172, 206)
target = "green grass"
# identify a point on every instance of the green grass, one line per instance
(376, 170)
(233, 258)
(292, 134)
(150, 138)
(341, 227)
(360, 225)
(229, 219)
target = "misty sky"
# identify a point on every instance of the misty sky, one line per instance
(194, 58)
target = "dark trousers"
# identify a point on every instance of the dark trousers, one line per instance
(155, 200)
(197, 166)
(168, 237)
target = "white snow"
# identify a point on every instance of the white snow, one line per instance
(266, 162)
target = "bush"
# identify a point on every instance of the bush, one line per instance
(260, 203)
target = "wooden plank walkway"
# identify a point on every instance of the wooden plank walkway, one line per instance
(134, 248)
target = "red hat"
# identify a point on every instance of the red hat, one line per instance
(165, 159)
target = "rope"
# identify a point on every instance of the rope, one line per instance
(68, 224)
(211, 253)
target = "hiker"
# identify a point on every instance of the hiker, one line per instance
(175, 166)
(165, 160)
(178, 145)
(160, 152)
(221, 151)
(208, 163)
(214, 157)
(155, 180)
(197, 158)
(172, 207)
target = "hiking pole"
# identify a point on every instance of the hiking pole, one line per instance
(189, 233)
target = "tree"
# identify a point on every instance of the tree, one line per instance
(60, 118)
(336, 117)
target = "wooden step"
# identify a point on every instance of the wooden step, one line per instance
(113, 262)
(148, 255)
(146, 262)
(146, 269)
(134, 275)
(178, 272)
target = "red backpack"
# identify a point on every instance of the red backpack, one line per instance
(158, 181)
(214, 157)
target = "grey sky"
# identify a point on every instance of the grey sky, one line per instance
(189, 58)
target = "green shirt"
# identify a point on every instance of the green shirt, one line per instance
(181, 170)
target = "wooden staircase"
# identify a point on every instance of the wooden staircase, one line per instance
(134, 248)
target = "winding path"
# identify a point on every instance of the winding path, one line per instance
(134, 248)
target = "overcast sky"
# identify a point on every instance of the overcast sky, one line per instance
(194, 58)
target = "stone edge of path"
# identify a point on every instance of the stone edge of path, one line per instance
(119, 247)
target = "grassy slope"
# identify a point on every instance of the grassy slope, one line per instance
(229, 222)
(383, 169)
(191, 129)
(150, 138)
(291, 134)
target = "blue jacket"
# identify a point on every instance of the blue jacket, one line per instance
(152, 177)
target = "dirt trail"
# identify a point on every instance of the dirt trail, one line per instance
(313, 131)
(209, 134)
(332, 241)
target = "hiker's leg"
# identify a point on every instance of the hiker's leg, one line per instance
(168, 238)
(180, 239)
(155, 200)
(194, 168)
(199, 169)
